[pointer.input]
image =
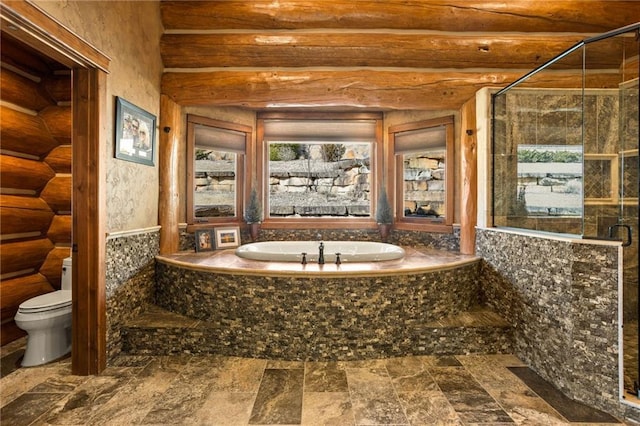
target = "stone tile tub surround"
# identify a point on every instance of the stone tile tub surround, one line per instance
(312, 312)
(130, 279)
(561, 297)
(432, 240)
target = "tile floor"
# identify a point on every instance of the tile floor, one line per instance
(214, 390)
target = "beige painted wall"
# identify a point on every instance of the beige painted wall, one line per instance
(135, 74)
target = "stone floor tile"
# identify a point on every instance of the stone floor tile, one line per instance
(223, 408)
(428, 408)
(76, 408)
(439, 361)
(410, 374)
(28, 407)
(465, 390)
(231, 374)
(137, 398)
(373, 398)
(571, 410)
(327, 408)
(470, 400)
(285, 364)
(279, 399)
(324, 377)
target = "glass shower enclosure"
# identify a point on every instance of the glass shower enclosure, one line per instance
(565, 158)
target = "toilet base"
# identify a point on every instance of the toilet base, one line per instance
(44, 347)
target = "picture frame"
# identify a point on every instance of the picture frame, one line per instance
(227, 237)
(135, 133)
(204, 240)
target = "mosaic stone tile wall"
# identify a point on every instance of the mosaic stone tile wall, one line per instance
(130, 280)
(434, 240)
(562, 300)
(317, 317)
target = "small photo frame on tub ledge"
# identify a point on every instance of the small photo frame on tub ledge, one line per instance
(227, 237)
(135, 133)
(204, 240)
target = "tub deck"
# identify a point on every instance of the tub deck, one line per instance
(226, 261)
(358, 310)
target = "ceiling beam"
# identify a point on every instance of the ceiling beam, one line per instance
(582, 16)
(377, 50)
(357, 89)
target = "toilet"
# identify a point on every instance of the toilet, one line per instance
(47, 321)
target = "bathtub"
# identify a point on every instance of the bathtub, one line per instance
(288, 311)
(291, 251)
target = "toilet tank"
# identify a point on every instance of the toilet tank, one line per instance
(66, 274)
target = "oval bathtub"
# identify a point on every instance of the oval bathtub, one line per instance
(291, 251)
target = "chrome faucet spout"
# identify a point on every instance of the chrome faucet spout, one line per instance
(321, 254)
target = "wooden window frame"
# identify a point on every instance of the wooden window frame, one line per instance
(243, 160)
(397, 169)
(262, 157)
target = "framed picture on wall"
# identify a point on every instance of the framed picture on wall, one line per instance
(227, 237)
(135, 133)
(204, 240)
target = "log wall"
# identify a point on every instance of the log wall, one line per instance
(35, 180)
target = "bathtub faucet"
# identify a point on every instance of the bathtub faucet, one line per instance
(321, 255)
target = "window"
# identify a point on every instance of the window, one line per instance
(424, 177)
(319, 166)
(216, 153)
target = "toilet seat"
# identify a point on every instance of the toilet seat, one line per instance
(46, 302)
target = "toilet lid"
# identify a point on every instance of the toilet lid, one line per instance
(47, 302)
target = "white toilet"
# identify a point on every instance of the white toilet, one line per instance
(47, 321)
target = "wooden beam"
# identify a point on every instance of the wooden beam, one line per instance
(21, 173)
(89, 354)
(405, 50)
(440, 15)
(25, 133)
(59, 159)
(169, 198)
(24, 255)
(23, 214)
(15, 291)
(22, 91)
(355, 89)
(469, 175)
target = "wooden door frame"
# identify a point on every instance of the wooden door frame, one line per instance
(89, 66)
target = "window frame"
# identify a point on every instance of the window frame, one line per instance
(397, 172)
(243, 161)
(262, 148)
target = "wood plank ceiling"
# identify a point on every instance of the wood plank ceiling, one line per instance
(371, 55)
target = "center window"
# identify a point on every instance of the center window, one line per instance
(319, 166)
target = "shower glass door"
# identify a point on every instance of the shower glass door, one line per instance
(610, 135)
(626, 229)
(565, 160)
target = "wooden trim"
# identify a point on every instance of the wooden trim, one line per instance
(31, 25)
(89, 353)
(47, 36)
(168, 159)
(377, 166)
(469, 175)
(242, 160)
(423, 227)
(424, 224)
